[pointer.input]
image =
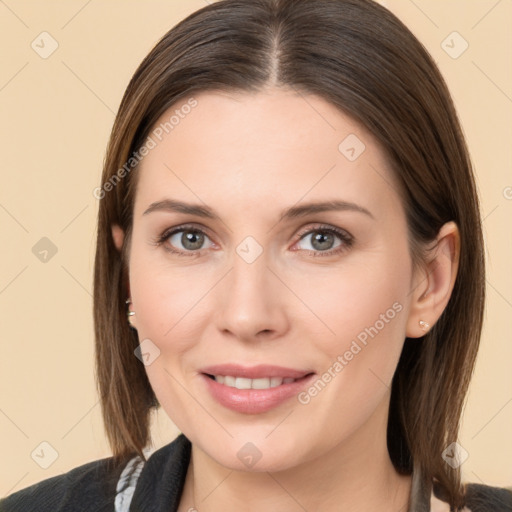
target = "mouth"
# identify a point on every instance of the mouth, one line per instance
(260, 383)
(253, 390)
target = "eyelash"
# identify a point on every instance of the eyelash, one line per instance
(346, 239)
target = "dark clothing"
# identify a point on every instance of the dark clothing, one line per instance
(157, 485)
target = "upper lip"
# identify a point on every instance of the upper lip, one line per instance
(254, 372)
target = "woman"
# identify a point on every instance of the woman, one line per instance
(290, 262)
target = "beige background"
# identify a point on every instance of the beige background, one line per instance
(55, 118)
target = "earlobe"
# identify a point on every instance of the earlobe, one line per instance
(117, 236)
(434, 286)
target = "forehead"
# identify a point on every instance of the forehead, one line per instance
(243, 148)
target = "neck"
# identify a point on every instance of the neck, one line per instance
(355, 475)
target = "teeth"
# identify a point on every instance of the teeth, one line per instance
(263, 383)
(229, 381)
(241, 383)
(275, 381)
(244, 383)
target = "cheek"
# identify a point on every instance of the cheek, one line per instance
(170, 313)
(352, 317)
(166, 297)
(365, 299)
(362, 317)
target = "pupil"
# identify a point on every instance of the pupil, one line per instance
(322, 240)
(192, 240)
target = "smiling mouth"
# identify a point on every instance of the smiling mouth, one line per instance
(260, 383)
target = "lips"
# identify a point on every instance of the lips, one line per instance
(245, 383)
(255, 372)
(256, 389)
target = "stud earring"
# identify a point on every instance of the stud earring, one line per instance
(130, 314)
(424, 325)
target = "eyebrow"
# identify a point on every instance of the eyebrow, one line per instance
(303, 210)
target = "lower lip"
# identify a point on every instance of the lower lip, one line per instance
(254, 401)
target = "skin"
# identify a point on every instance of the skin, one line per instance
(249, 156)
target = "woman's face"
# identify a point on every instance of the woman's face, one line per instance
(257, 275)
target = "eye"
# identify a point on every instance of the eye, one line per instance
(185, 240)
(325, 241)
(322, 240)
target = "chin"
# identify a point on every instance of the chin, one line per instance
(254, 453)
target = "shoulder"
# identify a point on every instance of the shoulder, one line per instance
(163, 477)
(479, 498)
(485, 498)
(88, 487)
(106, 485)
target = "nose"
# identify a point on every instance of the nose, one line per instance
(252, 301)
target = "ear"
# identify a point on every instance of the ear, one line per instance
(433, 283)
(118, 236)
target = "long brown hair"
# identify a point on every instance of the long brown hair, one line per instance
(362, 59)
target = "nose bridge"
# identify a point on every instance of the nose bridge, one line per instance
(250, 299)
(249, 286)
